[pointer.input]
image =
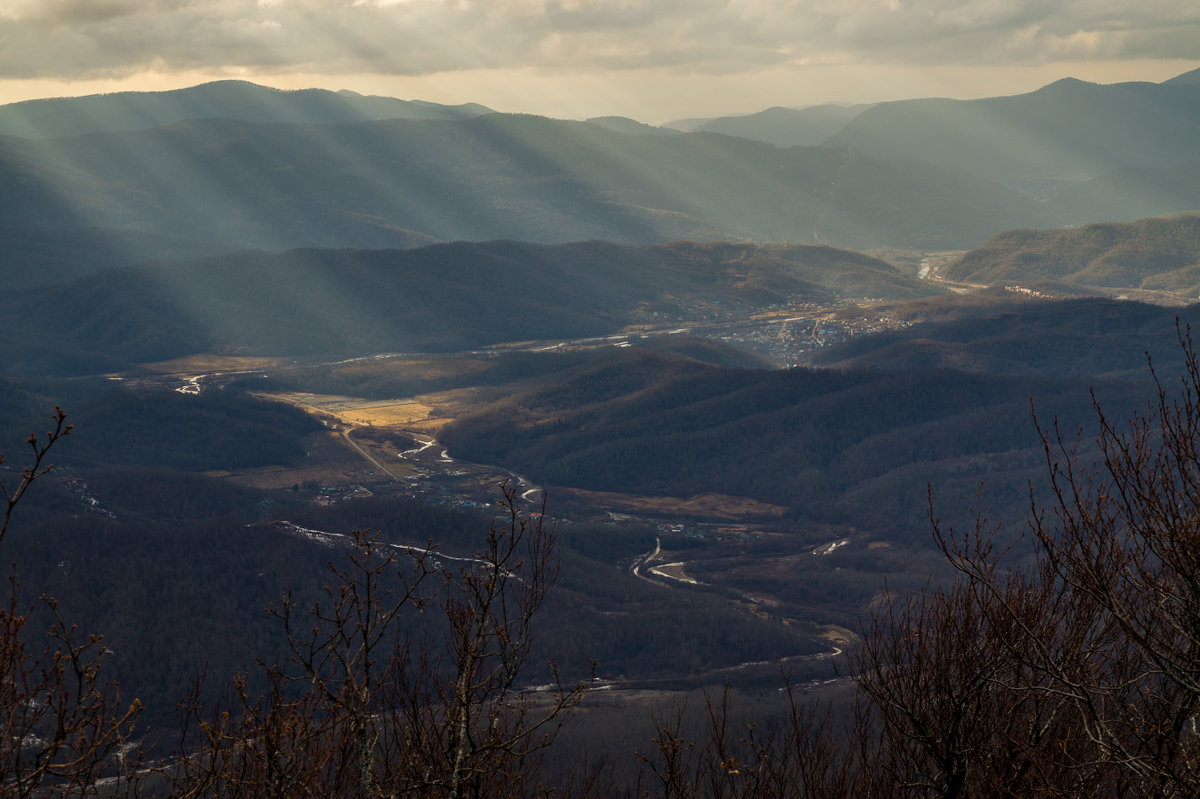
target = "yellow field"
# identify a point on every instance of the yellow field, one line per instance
(359, 412)
(386, 415)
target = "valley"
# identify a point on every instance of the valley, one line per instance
(388, 448)
(759, 377)
(803, 555)
(396, 437)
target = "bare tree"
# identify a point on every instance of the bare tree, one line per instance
(1076, 672)
(1124, 537)
(366, 707)
(273, 743)
(63, 729)
(467, 729)
(36, 469)
(806, 754)
(960, 696)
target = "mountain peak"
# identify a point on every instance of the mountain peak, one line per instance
(1190, 78)
(1066, 84)
(621, 124)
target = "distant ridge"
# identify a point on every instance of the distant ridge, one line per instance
(783, 127)
(627, 125)
(227, 99)
(400, 182)
(1191, 77)
(1067, 131)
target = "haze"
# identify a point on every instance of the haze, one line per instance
(653, 61)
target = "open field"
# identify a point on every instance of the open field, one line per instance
(425, 413)
(352, 411)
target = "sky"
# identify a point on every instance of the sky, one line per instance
(653, 60)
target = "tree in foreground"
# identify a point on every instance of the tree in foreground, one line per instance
(368, 704)
(64, 730)
(1076, 674)
(363, 708)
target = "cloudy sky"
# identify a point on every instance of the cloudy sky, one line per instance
(654, 60)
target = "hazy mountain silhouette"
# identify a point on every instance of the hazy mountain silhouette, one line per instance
(400, 183)
(1066, 131)
(783, 127)
(229, 99)
(1189, 78)
(627, 125)
(96, 227)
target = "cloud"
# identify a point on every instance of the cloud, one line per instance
(66, 12)
(73, 39)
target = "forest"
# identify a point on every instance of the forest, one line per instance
(1062, 666)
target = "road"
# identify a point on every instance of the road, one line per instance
(635, 568)
(369, 457)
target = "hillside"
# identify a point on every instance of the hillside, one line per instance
(1161, 253)
(1040, 141)
(341, 303)
(848, 447)
(1079, 338)
(942, 404)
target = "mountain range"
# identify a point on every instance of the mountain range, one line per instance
(1042, 141)
(231, 165)
(1138, 142)
(399, 183)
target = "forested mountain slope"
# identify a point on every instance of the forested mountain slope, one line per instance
(1161, 253)
(1084, 338)
(398, 183)
(339, 303)
(857, 447)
